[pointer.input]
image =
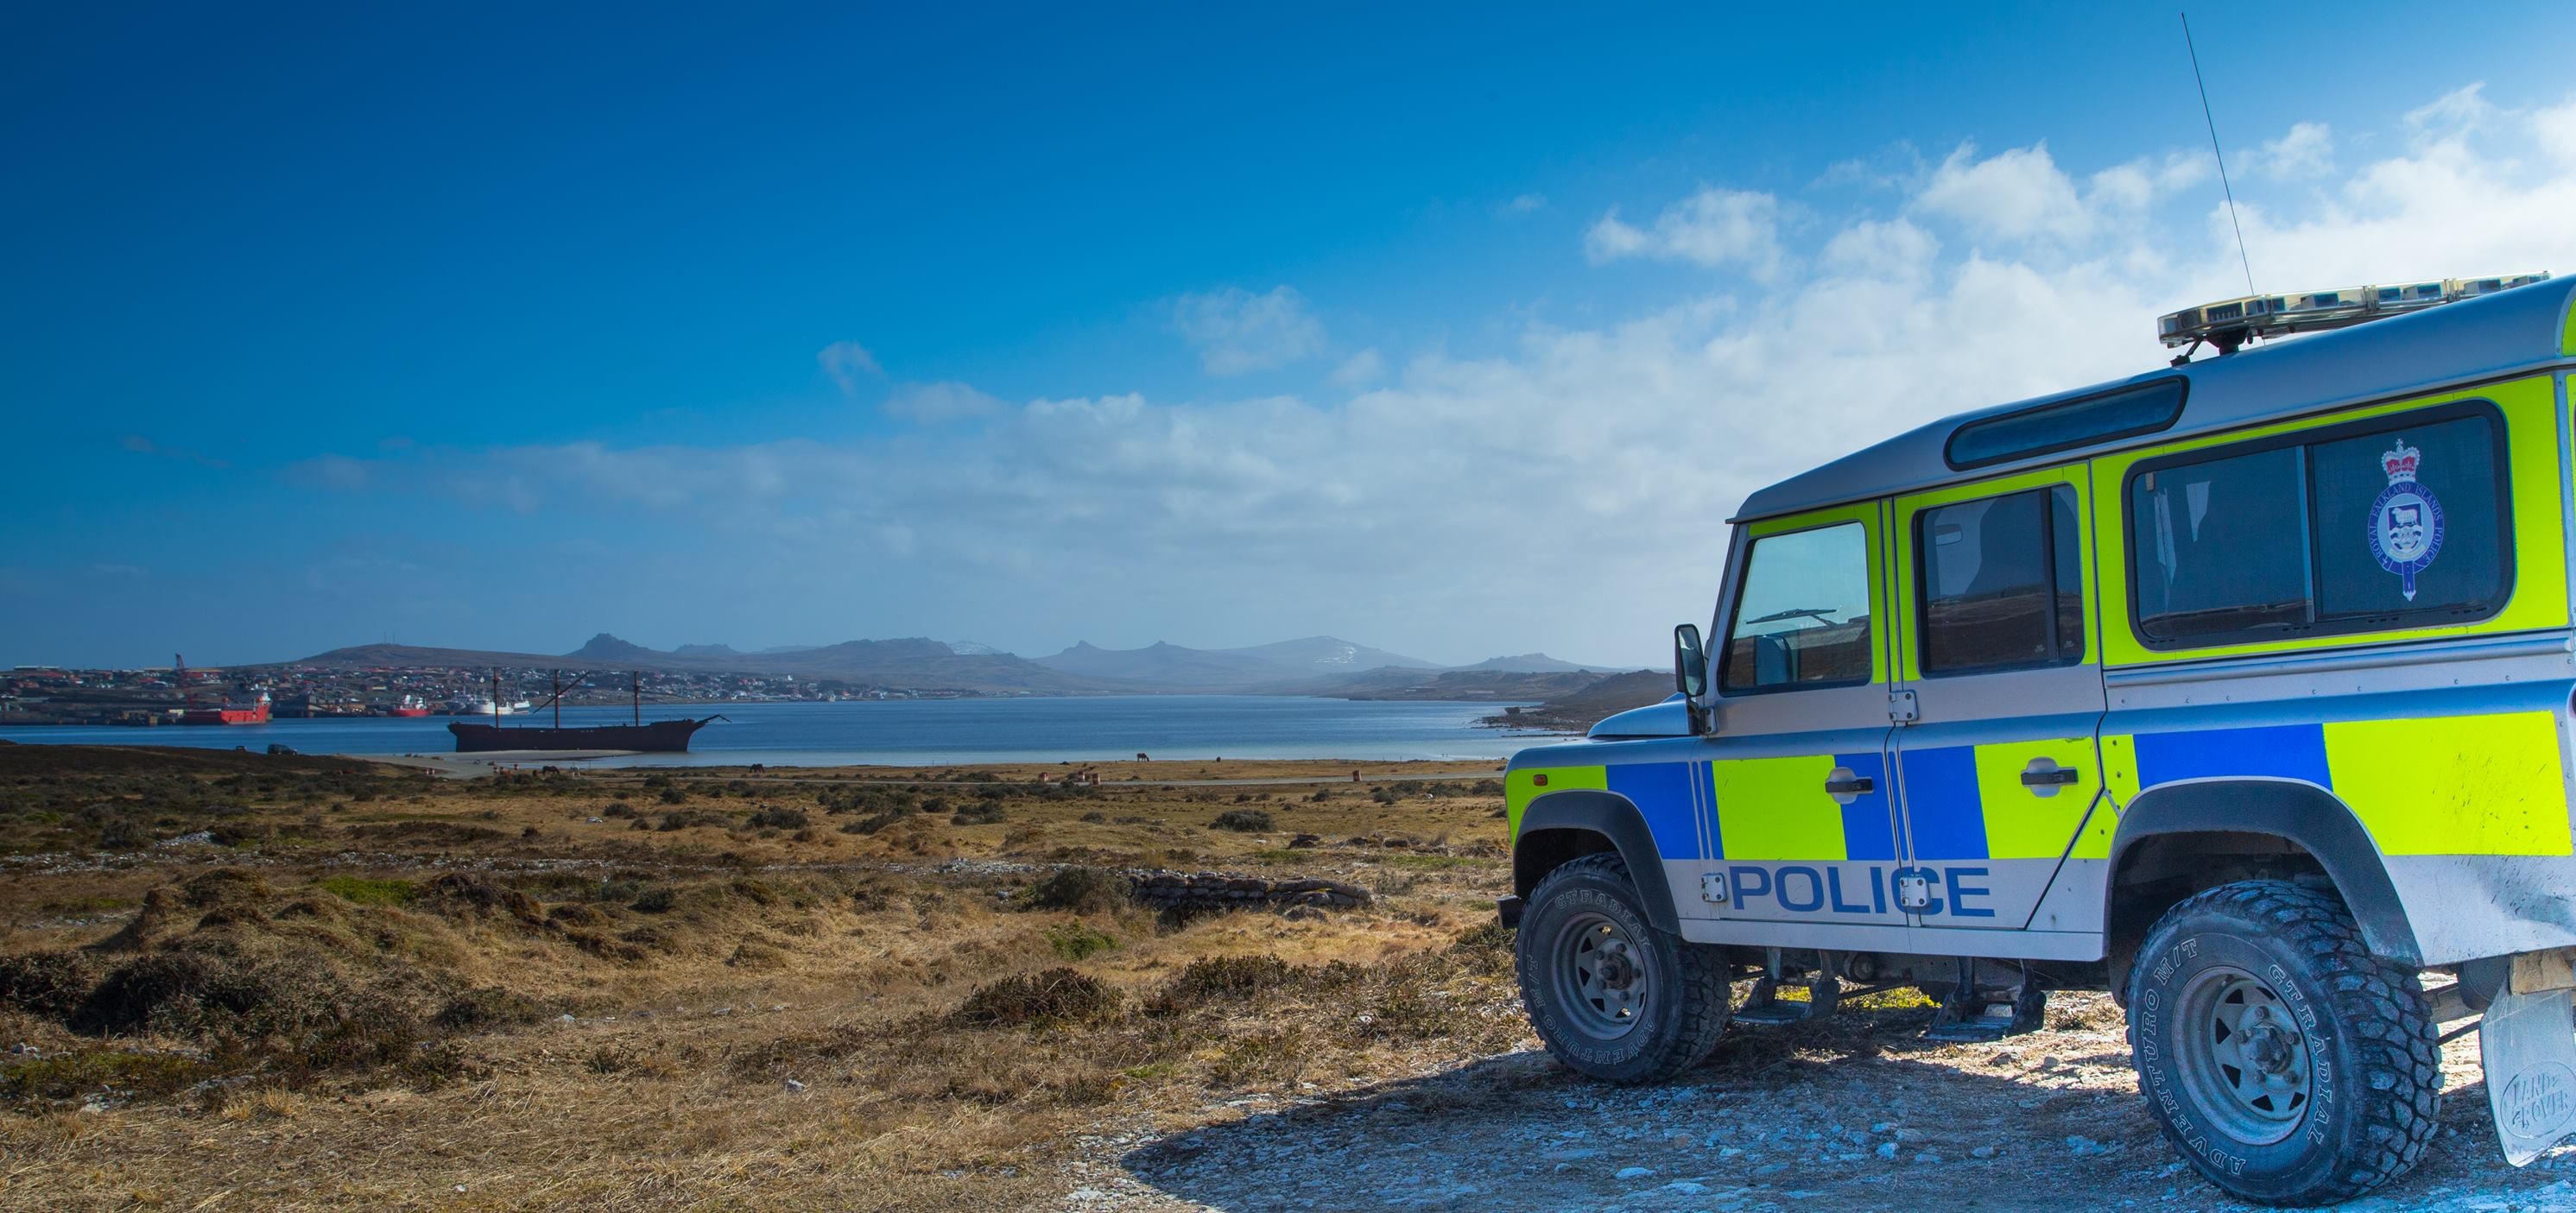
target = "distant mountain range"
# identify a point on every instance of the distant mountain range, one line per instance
(1316, 665)
(918, 664)
(1170, 665)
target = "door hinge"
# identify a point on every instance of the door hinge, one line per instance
(1900, 707)
(1712, 887)
(1913, 892)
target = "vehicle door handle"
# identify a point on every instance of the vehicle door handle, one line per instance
(2053, 777)
(1852, 785)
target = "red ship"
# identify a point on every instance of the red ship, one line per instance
(411, 705)
(232, 711)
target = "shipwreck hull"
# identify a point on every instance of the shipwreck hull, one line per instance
(659, 737)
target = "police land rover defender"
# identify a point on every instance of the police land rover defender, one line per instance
(2241, 689)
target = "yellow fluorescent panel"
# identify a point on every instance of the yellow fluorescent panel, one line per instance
(1522, 786)
(2120, 767)
(1776, 808)
(2456, 785)
(2019, 824)
(2099, 830)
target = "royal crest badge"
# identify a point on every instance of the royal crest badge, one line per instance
(2406, 520)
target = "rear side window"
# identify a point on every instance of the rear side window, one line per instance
(2067, 424)
(2385, 524)
(2001, 586)
(2221, 547)
(1802, 616)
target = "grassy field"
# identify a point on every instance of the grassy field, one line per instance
(242, 981)
(234, 981)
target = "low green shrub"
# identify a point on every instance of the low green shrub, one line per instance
(66, 1076)
(1082, 890)
(47, 984)
(1229, 977)
(1078, 940)
(368, 892)
(487, 1007)
(1054, 996)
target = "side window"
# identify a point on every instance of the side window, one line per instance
(2220, 548)
(2001, 583)
(1802, 616)
(2366, 527)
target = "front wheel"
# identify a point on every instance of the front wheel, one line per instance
(2285, 1061)
(1610, 995)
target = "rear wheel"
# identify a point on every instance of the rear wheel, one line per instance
(1611, 996)
(2285, 1061)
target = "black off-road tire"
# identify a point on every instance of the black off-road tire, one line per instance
(2316, 1011)
(1679, 1017)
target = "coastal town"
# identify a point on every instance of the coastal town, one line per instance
(168, 695)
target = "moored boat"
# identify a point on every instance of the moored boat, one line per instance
(253, 710)
(656, 737)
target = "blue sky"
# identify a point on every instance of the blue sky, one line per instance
(1451, 332)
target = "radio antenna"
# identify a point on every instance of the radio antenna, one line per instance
(2232, 221)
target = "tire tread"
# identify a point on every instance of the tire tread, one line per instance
(1701, 982)
(2380, 1005)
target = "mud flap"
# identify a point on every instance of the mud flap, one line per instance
(2528, 1045)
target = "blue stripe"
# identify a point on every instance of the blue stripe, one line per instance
(1662, 791)
(2289, 751)
(1868, 832)
(1942, 808)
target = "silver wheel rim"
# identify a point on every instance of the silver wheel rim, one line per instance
(2244, 1058)
(1602, 978)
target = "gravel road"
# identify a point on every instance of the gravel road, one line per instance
(1854, 1114)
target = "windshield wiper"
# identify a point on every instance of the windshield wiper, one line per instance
(1819, 614)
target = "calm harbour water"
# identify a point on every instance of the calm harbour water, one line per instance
(913, 732)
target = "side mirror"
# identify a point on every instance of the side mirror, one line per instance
(1690, 672)
(1690, 662)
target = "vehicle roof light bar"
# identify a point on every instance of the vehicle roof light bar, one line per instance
(2230, 323)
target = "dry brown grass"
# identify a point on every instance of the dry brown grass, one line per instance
(706, 966)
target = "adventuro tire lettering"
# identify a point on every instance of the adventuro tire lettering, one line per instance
(1612, 996)
(2282, 1058)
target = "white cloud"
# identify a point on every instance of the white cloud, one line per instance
(1870, 247)
(2307, 151)
(1609, 239)
(2555, 130)
(845, 362)
(1524, 204)
(1714, 228)
(938, 403)
(2020, 197)
(1237, 331)
(1409, 511)
(2454, 114)
(1898, 166)
(1361, 368)
(2141, 182)
(2016, 195)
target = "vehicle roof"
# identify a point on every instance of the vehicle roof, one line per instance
(2424, 351)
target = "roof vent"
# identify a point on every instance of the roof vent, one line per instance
(2230, 323)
